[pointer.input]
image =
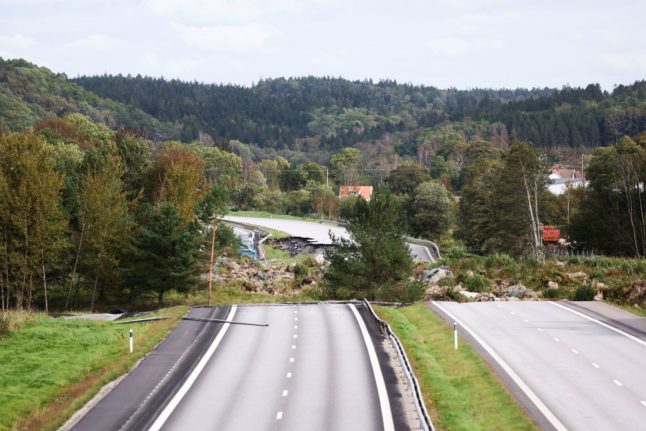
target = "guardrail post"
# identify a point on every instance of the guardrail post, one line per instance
(455, 335)
(131, 341)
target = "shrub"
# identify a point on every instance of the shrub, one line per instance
(584, 292)
(499, 260)
(309, 261)
(455, 252)
(477, 283)
(572, 260)
(554, 293)
(300, 270)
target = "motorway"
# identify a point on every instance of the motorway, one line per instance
(573, 372)
(319, 233)
(314, 367)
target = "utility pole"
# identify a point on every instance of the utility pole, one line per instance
(211, 266)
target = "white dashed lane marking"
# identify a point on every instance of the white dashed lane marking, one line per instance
(618, 383)
(595, 365)
(293, 346)
(556, 339)
(289, 375)
(643, 403)
(279, 416)
(291, 359)
(575, 351)
(539, 329)
(285, 393)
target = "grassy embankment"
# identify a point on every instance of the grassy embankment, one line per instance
(619, 279)
(50, 367)
(265, 214)
(459, 388)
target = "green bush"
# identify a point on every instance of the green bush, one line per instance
(584, 292)
(499, 260)
(572, 260)
(455, 252)
(477, 283)
(300, 270)
(452, 294)
(308, 261)
(554, 293)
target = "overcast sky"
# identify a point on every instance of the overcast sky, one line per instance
(449, 43)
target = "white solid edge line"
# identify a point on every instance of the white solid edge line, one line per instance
(599, 322)
(384, 403)
(515, 377)
(174, 402)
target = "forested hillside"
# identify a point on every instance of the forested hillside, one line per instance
(30, 94)
(326, 114)
(301, 114)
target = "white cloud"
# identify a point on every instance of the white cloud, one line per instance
(94, 42)
(222, 11)
(12, 46)
(448, 46)
(247, 37)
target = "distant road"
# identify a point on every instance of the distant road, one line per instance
(588, 376)
(310, 369)
(319, 233)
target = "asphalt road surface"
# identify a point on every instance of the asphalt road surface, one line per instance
(308, 370)
(314, 367)
(580, 374)
(319, 233)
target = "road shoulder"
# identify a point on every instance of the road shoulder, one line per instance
(611, 315)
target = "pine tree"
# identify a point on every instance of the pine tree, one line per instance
(162, 256)
(375, 262)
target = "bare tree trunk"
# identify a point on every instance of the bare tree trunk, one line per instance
(96, 282)
(76, 262)
(533, 224)
(45, 283)
(31, 289)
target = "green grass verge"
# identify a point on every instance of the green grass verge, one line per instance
(641, 312)
(265, 214)
(227, 295)
(460, 390)
(50, 367)
(276, 254)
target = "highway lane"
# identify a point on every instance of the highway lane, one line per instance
(588, 376)
(319, 233)
(308, 370)
(134, 402)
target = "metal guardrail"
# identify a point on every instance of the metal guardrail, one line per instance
(387, 331)
(425, 242)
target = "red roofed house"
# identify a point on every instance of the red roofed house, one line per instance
(362, 191)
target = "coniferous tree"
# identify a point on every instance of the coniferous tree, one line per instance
(163, 252)
(374, 262)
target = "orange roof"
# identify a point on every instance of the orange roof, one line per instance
(363, 191)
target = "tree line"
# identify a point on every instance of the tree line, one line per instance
(89, 216)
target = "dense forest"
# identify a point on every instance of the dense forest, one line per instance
(29, 94)
(332, 113)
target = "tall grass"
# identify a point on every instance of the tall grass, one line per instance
(49, 367)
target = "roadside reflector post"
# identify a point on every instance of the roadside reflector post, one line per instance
(131, 341)
(455, 335)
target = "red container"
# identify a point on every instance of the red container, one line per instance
(551, 234)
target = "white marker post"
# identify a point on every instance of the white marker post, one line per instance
(131, 341)
(455, 335)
